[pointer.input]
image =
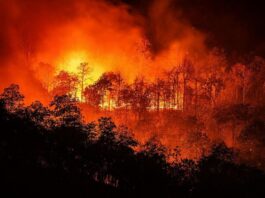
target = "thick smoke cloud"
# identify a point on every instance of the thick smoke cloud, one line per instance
(238, 27)
(38, 38)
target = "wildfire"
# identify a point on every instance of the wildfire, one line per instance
(106, 36)
(72, 60)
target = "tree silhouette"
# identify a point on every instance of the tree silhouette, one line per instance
(92, 96)
(39, 114)
(51, 151)
(65, 111)
(12, 98)
(65, 84)
(106, 130)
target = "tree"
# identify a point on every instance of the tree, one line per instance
(213, 76)
(174, 82)
(106, 130)
(65, 84)
(109, 87)
(157, 89)
(92, 132)
(103, 87)
(83, 71)
(126, 97)
(92, 96)
(140, 97)
(125, 138)
(65, 111)
(211, 88)
(239, 76)
(187, 70)
(154, 148)
(74, 158)
(12, 98)
(39, 114)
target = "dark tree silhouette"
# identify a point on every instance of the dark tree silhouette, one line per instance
(70, 158)
(65, 84)
(12, 98)
(65, 111)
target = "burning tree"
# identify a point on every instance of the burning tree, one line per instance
(83, 71)
(107, 90)
(92, 96)
(12, 98)
(65, 84)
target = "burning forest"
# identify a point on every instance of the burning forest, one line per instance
(132, 98)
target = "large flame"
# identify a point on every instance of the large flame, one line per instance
(72, 60)
(40, 38)
(48, 37)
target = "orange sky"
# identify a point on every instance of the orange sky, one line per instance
(42, 38)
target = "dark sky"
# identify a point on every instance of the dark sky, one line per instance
(238, 26)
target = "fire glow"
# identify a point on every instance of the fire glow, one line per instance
(108, 37)
(137, 68)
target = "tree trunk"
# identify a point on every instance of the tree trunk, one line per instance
(196, 96)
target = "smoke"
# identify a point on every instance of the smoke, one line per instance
(39, 38)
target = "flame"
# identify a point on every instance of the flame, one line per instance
(108, 37)
(70, 62)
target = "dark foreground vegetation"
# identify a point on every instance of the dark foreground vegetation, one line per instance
(53, 153)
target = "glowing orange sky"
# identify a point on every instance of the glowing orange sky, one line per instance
(46, 37)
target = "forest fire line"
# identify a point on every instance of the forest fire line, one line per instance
(132, 98)
(180, 92)
(182, 108)
(159, 81)
(108, 37)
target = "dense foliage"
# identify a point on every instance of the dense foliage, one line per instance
(51, 152)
